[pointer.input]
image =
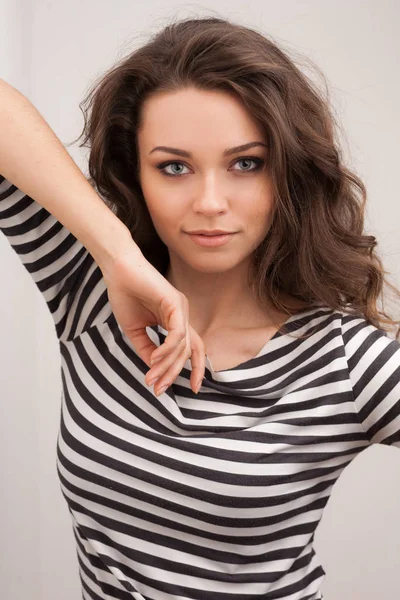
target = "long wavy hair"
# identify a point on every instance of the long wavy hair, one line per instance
(316, 249)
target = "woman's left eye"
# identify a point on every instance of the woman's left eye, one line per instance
(258, 162)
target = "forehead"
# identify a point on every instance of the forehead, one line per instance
(186, 116)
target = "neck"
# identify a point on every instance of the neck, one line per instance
(218, 300)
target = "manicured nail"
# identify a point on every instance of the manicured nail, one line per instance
(152, 381)
(162, 390)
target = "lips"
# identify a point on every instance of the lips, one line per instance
(210, 240)
(211, 234)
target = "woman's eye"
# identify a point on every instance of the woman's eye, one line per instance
(258, 162)
(253, 159)
(163, 166)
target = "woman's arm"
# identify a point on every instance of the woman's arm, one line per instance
(50, 241)
(35, 161)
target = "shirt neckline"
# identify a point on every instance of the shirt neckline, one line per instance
(247, 363)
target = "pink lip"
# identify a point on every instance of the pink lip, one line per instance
(210, 240)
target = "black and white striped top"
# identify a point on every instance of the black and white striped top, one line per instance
(214, 496)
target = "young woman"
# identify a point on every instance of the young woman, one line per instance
(208, 128)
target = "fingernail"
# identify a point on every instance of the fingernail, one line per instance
(152, 381)
(162, 390)
(154, 361)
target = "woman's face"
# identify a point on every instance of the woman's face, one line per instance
(205, 185)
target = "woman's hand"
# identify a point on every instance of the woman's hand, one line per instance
(141, 297)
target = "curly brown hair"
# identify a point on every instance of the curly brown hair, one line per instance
(315, 250)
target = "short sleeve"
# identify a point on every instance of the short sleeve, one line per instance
(374, 368)
(62, 269)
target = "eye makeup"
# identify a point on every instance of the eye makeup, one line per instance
(259, 163)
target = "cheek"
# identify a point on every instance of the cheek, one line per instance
(260, 212)
(165, 220)
(167, 213)
(156, 205)
(259, 222)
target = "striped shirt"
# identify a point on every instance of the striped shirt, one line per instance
(214, 496)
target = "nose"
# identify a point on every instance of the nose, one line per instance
(210, 199)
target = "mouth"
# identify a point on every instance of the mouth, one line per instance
(210, 233)
(210, 241)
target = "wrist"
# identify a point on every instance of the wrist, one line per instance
(109, 240)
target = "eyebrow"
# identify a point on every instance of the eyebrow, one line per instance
(227, 152)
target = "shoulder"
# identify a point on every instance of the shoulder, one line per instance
(354, 329)
(367, 347)
(353, 325)
(350, 323)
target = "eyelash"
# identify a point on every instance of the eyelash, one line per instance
(259, 162)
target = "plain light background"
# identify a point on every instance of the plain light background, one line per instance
(51, 52)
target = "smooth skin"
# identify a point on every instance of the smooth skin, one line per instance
(207, 190)
(35, 161)
(140, 297)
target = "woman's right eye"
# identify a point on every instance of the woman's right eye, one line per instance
(163, 166)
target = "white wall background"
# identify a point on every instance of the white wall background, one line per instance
(51, 51)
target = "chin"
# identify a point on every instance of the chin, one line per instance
(211, 264)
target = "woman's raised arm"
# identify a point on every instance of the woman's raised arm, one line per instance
(34, 160)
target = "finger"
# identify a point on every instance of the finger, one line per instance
(197, 357)
(177, 358)
(198, 360)
(177, 331)
(142, 344)
(163, 365)
(170, 375)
